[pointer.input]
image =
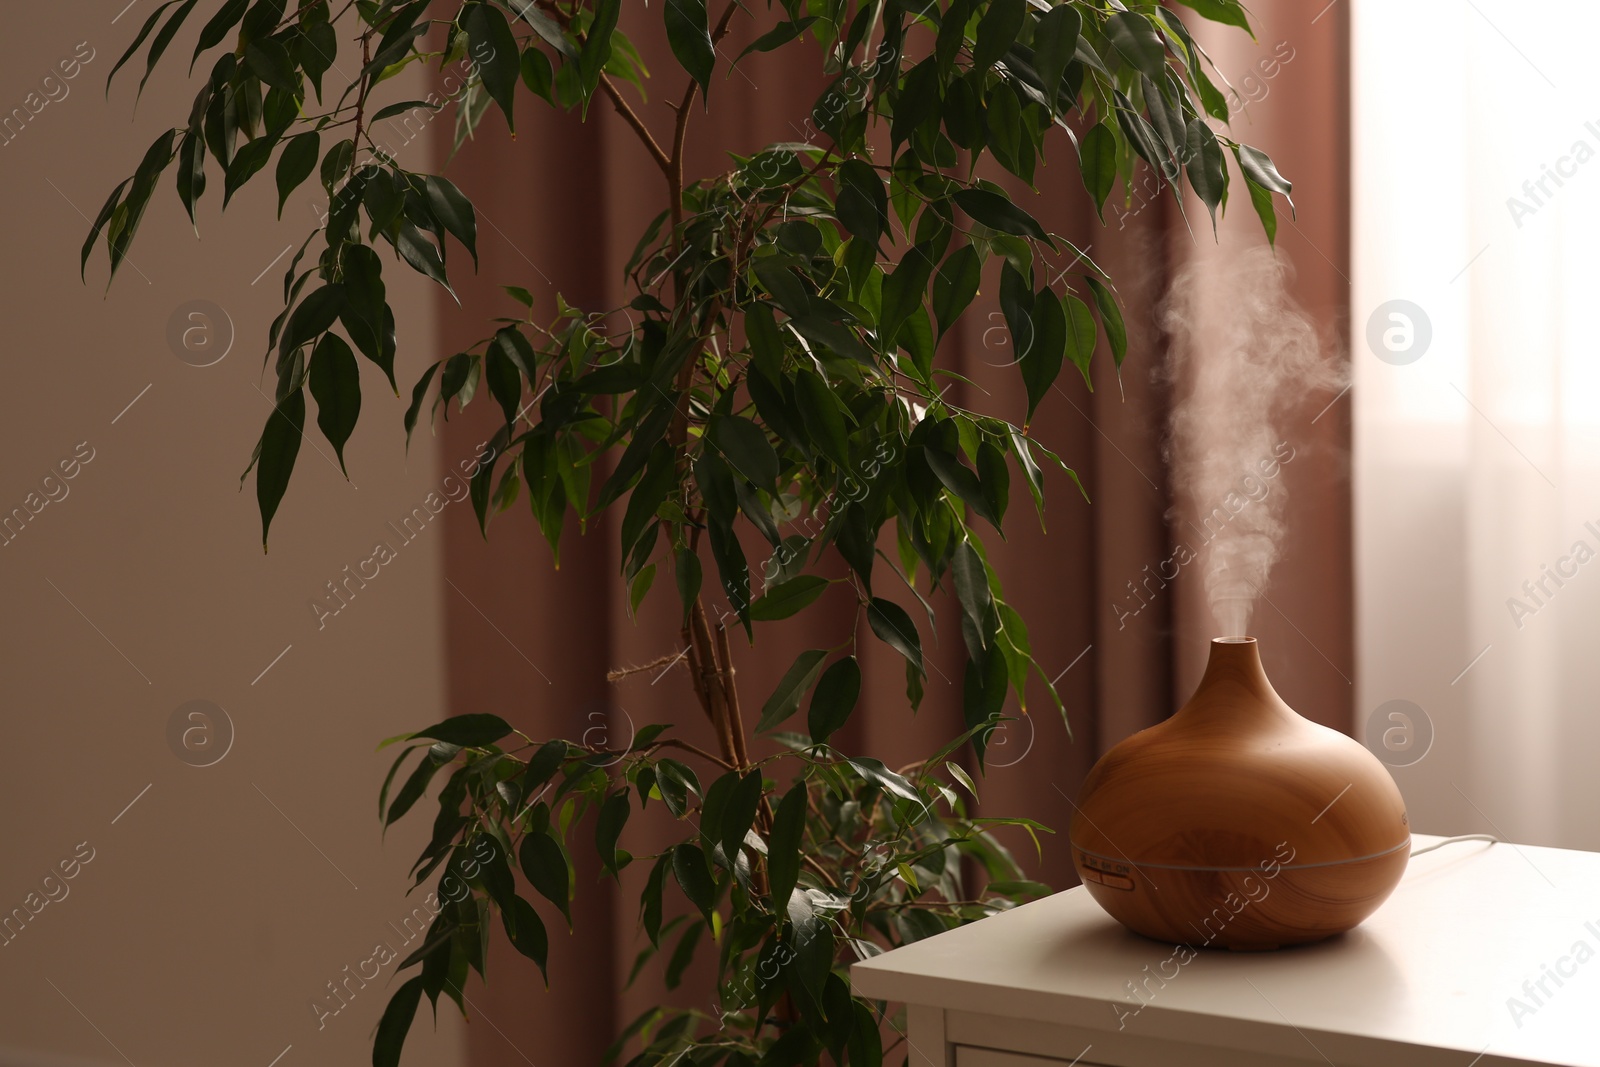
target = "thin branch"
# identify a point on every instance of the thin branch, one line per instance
(711, 680)
(697, 673)
(680, 131)
(361, 102)
(632, 118)
(820, 871)
(616, 674)
(731, 694)
(629, 116)
(673, 742)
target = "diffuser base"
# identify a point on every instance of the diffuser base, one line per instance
(1246, 910)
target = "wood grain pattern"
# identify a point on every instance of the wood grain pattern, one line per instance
(1237, 823)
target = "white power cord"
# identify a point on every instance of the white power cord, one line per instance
(1452, 840)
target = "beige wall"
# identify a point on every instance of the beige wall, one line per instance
(227, 896)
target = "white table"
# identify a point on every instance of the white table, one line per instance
(1427, 981)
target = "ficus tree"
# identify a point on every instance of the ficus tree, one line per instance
(780, 386)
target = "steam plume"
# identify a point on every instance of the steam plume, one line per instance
(1242, 349)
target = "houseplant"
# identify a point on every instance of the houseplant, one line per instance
(781, 374)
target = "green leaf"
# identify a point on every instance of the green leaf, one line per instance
(1211, 98)
(903, 292)
(144, 31)
(785, 699)
(537, 73)
(766, 341)
(383, 794)
(125, 219)
(866, 1042)
(1137, 44)
(779, 35)
(959, 774)
(1055, 43)
(650, 901)
(783, 846)
(1261, 200)
(997, 31)
(385, 200)
(411, 791)
(788, 598)
(468, 731)
(403, 107)
(419, 393)
(746, 448)
(510, 341)
(1041, 363)
(956, 285)
(317, 47)
(158, 45)
(739, 814)
(732, 567)
(895, 629)
(918, 101)
(547, 29)
(862, 208)
(640, 587)
(995, 476)
(1030, 470)
(972, 589)
(689, 35)
(831, 705)
(1110, 318)
(270, 62)
(676, 781)
(454, 211)
(824, 422)
(249, 160)
(336, 386)
(336, 163)
(597, 49)
(1097, 161)
(687, 571)
(959, 479)
(212, 33)
(1259, 168)
(1228, 12)
(422, 255)
(1208, 174)
(396, 1021)
(100, 220)
(543, 765)
(544, 864)
(694, 877)
(314, 315)
(881, 776)
(280, 444)
(608, 828)
(527, 933)
(505, 382)
(999, 213)
(682, 955)
(295, 165)
(494, 49)
(1080, 334)
(648, 495)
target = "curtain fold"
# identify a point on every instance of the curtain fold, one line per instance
(560, 209)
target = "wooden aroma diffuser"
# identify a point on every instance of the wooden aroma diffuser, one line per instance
(1237, 823)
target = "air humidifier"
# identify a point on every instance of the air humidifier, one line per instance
(1238, 824)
